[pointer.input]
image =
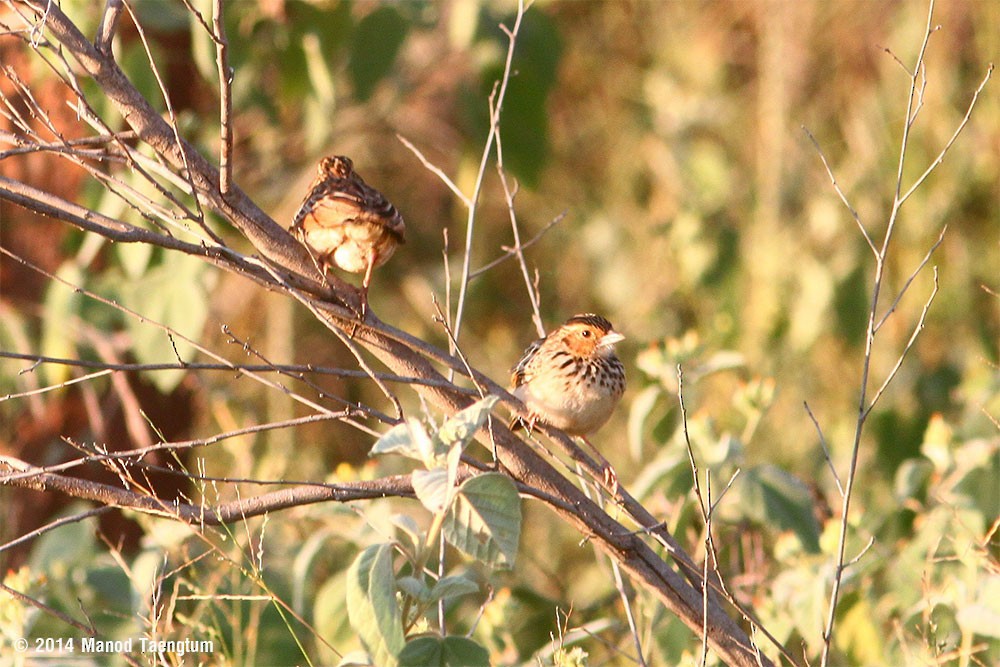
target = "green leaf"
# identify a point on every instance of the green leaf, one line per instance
(772, 497)
(61, 306)
(71, 545)
(912, 479)
(524, 123)
(461, 427)
(453, 587)
(409, 439)
(432, 488)
(355, 659)
(175, 295)
(485, 520)
(983, 616)
(307, 554)
(639, 411)
(371, 604)
(399, 440)
(448, 651)
(134, 258)
(376, 42)
(408, 534)
(415, 588)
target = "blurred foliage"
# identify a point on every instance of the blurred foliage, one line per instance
(669, 134)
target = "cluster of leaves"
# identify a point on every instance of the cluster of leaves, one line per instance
(481, 517)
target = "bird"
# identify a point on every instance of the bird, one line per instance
(573, 380)
(344, 222)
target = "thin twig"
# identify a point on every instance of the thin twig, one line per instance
(496, 105)
(436, 170)
(52, 525)
(909, 281)
(515, 251)
(18, 595)
(170, 110)
(534, 298)
(225, 98)
(297, 369)
(909, 344)
(914, 104)
(961, 126)
(840, 193)
(826, 449)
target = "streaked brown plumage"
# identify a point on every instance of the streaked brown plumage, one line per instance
(347, 223)
(572, 380)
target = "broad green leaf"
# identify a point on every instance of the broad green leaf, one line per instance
(398, 440)
(371, 604)
(432, 488)
(330, 617)
(302, 565)
(452, 587)
(414, 587)
(448, 651)
(447, 587)
(642, 406)
(134, 258)
(461, 427)
(485, 520)
(983, 616)
(859, 635)
(376, 42)
(912, 479)
(174, 294)
(71, 545)
(61, 307)
(408, 535)
(355, 659)
(772, 497)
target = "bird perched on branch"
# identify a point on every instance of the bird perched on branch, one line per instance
(346, 223)
(572, 380)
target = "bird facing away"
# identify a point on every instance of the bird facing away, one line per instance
(346, 223)
(572, 379)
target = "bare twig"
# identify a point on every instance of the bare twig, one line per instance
(90, 630)
(296, 370)
(436, 170)
(840, 193)
(826, 449)
(906, 350)
(909, 281)
(109, 25)
(958, 130)
(918, 84)
(496, 105)
(534, 298)
(516, 251)
(52, 525)
(106, 494)
(225, 98)
(170, 110)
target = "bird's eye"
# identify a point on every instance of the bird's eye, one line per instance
(585, 333)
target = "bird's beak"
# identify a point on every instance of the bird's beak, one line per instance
(610, 338)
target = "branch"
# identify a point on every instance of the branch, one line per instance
(286, 267)
(24, 475)
(296, 370)
(109, 25)
(275, 243)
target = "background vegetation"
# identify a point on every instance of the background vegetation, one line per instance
(659, 146)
